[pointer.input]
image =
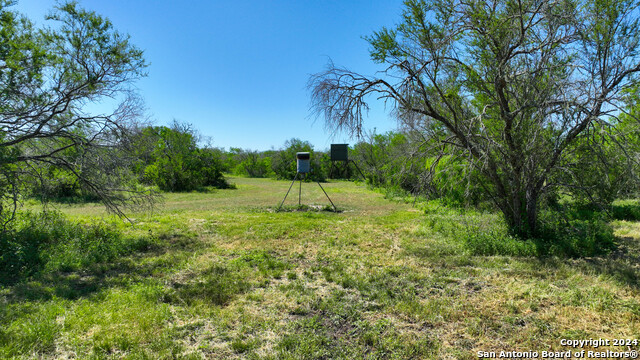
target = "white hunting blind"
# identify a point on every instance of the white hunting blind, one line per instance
(303, 162)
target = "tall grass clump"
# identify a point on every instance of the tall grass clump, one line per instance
(574, 232)
(495, 242)
(558, 236)
(48, 241)
(479, 233)
(575, 237)
(626, 210)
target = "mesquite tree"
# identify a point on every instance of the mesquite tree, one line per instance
(510, 85)
(49, 77)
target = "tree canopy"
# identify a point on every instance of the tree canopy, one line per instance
(513, 87)
(49, 78)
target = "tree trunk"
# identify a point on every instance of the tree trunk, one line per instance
(532, 212)
(521, 214)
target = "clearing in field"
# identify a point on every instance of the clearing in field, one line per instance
(220, 275)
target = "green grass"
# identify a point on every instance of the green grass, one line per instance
(222, 275)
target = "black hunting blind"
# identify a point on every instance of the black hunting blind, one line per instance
(340, 155)
(303, 168)
(339, 152)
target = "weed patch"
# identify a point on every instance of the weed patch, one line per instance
(575, 237)
(216, 285)
(49, 242)
(581, 234)
(488, 243)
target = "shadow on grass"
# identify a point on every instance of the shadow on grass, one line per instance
(306, 208)
(603, 253)
(628, 210)
(215, 285)
(623, 264)
(618, 259)
(582, 239)
(206, 189)
(43, 285)
(69, 200)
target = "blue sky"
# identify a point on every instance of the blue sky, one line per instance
(237, 70)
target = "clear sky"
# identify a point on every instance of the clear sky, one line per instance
(237, 70)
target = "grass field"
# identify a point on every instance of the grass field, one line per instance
(223, 276)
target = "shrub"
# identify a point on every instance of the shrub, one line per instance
(171, 159)
(568, 233)
(558, 236)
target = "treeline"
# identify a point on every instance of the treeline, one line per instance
(382, 168)
(407, 162)
(170, 158)
(173, 158)
(278, 164)
(394, 161)
(404, 162)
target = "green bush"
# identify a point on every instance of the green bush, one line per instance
(170, 159)
(209, 168)
(402, 160)
(254, 164)
(385, 161)
(570, 232)
(56, 183)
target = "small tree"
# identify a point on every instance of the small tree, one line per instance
(511, 86)
(47, 78)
